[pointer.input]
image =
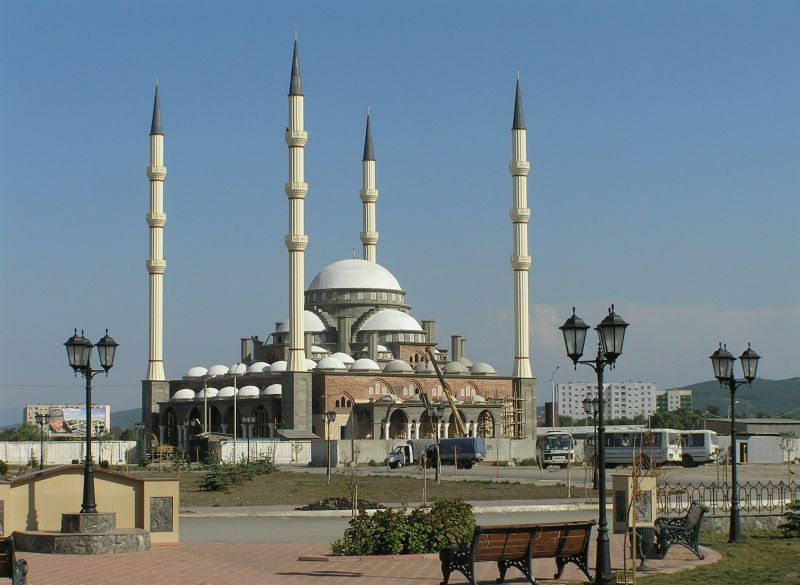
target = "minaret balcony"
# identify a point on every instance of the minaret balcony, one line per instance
(296, 137)
(156, 173)
(156, 265)
(520, 262)
(296, 242)
(156, 219)
(519, 167)
(369, 238)
(519, 215)
(296, 190)
(369, 195)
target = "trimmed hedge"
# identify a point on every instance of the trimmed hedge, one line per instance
(424, 530)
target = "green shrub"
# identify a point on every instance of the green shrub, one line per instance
(791, 528)
(75, 461)
(221, 477)
(105, 464)
(424, 530)
(218, 478)
(3, 467)
(527, 462)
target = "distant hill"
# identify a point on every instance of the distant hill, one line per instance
(124, 419)
(766, 397)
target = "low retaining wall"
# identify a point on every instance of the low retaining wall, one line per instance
(63, 452)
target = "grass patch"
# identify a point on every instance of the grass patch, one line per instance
(759, 560)
(299, 489)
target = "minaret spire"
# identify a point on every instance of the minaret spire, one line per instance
(295, 83)
(520, 260)
(296, 241)
(156, 265)
(369, 195)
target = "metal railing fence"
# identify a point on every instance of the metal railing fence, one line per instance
(755, 497)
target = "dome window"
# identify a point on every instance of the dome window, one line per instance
(347, 296)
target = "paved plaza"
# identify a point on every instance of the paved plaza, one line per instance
(279, 563)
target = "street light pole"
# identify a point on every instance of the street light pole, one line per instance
(41, 420)
(79, 352)
(248, 421)
(553, 421)
(611, 334)
(139, 426)
(329, 417)
(722, 361)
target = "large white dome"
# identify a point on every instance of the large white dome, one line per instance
(312, 324)
(354, 274)
(391, 320)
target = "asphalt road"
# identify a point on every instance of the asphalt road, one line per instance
(580, 475)
(276, 529)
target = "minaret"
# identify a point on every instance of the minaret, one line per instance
(520, 260)
(296, 240)
(156, 263)
(369, 195)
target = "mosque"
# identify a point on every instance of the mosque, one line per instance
(350, 346)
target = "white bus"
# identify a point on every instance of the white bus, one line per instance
(557, 448)
(699, 447)
(656, 446)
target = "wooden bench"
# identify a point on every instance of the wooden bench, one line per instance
(10, 566)
(683, 531)
(517, 545)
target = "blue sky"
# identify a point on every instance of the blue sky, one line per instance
(663, 139)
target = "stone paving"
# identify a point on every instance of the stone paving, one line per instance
(277, 564)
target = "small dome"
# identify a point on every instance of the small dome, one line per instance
(482, 369)
(354, 274)
(380, 347)
(343, 357)
(279, 366)
(391, 320)
(397, 367)
(184, 394)
(331, 363)
(257, 368)
(311, 324)
(209, 393)
(218, 370)
(465, 362)
(310, 364)
(388, 398)
(364, 365)
(196, 372)
(273, 390)
(424, 368)
(248, 392)
(478, 398)
(318, 349)
(226, 392)
(237, 369)
(454, 368)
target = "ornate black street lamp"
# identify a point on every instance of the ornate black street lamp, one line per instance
(139, 426)
(436, 413)
(722, 360)
(42, 420)
(328, 417)
(611, 334)
(79, 353)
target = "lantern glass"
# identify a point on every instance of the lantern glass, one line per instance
(574, 331)
(330, 416)
(722, 361)
(587, 406)
(611, 332)
(107, 348)
(79, 350)
(749, 359)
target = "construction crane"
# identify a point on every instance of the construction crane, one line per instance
(462, 431)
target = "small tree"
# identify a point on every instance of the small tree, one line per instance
(788, 442)
(791, 528)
